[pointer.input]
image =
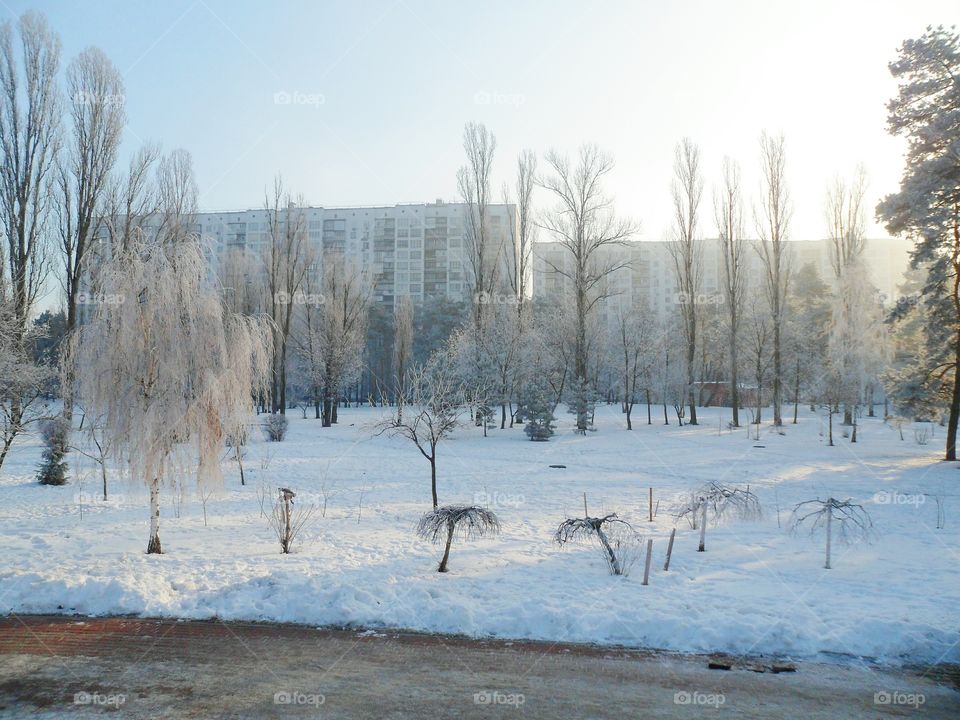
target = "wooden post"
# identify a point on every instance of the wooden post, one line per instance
(646, 567)
(650, 502)
(829, 521)
(703, 527)
(585, 513)
(666, 565)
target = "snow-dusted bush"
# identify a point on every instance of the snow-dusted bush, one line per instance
(620, 543)
(465, 521)
(56, 437)
(921, 435)
(720, 501)
(849, 521)
(275, 426)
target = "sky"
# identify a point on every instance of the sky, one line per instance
(363, 103)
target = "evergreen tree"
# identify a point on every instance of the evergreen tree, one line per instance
(536, 408)
(56, 437)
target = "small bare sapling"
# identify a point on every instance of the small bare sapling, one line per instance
(275, 427)
(718, 502)
(288, 519)
(465, 521)
(848, 521)
(620, 543)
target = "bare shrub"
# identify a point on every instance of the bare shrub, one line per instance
(464, 521)
(921, 435)
(275, 427)
(620, 543)
(288, 519)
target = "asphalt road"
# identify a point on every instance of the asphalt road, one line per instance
(56, 667)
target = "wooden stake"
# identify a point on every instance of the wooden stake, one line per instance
(666, 565)
(585, 513)
(650, 503)
(646, 567)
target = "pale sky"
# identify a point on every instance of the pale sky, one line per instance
(381, 90)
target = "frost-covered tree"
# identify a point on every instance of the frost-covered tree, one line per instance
(717, 502)
(402, 348)
(926, 209)
(287, 259)
(686, 249)
(772, 219)
(170, 371)
(584, 224)
(618, 540)
(535, 406)
(442, 525)
(728, 211)
(849, 521)
(635, 346)
(436, 403)
(56, 440)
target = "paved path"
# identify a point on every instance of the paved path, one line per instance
(56, 667)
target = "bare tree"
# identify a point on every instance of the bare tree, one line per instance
(170, 371)
(83, 179)
(473, 182)
(584, 224)
(464, 521)
(686, 249)
(728, 209)
(287, 259)
(637, 349)
(402, 348)
(850, 521)
(773, 224)
(522, 233)
(132, 200)
(619, 541)
(720, 501)
(436, 398)
(758, 345)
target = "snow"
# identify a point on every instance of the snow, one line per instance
(757, 589)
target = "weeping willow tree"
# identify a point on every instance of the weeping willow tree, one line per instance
(167, 366)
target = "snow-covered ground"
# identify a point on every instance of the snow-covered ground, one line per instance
(756, 590)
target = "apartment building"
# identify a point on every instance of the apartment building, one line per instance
(417, 250)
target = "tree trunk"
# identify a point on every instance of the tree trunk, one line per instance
(629, 413)
(433, 478)
(103, 473)
(829, 530)
(503, 415)
(446, 550)
(830, 425)
(649, 417)
(796, 392)
(954, 407)
(153, 547)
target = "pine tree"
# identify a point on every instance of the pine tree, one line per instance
(536, 408)
(56, 435)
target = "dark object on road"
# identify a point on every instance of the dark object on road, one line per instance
(558, 466)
